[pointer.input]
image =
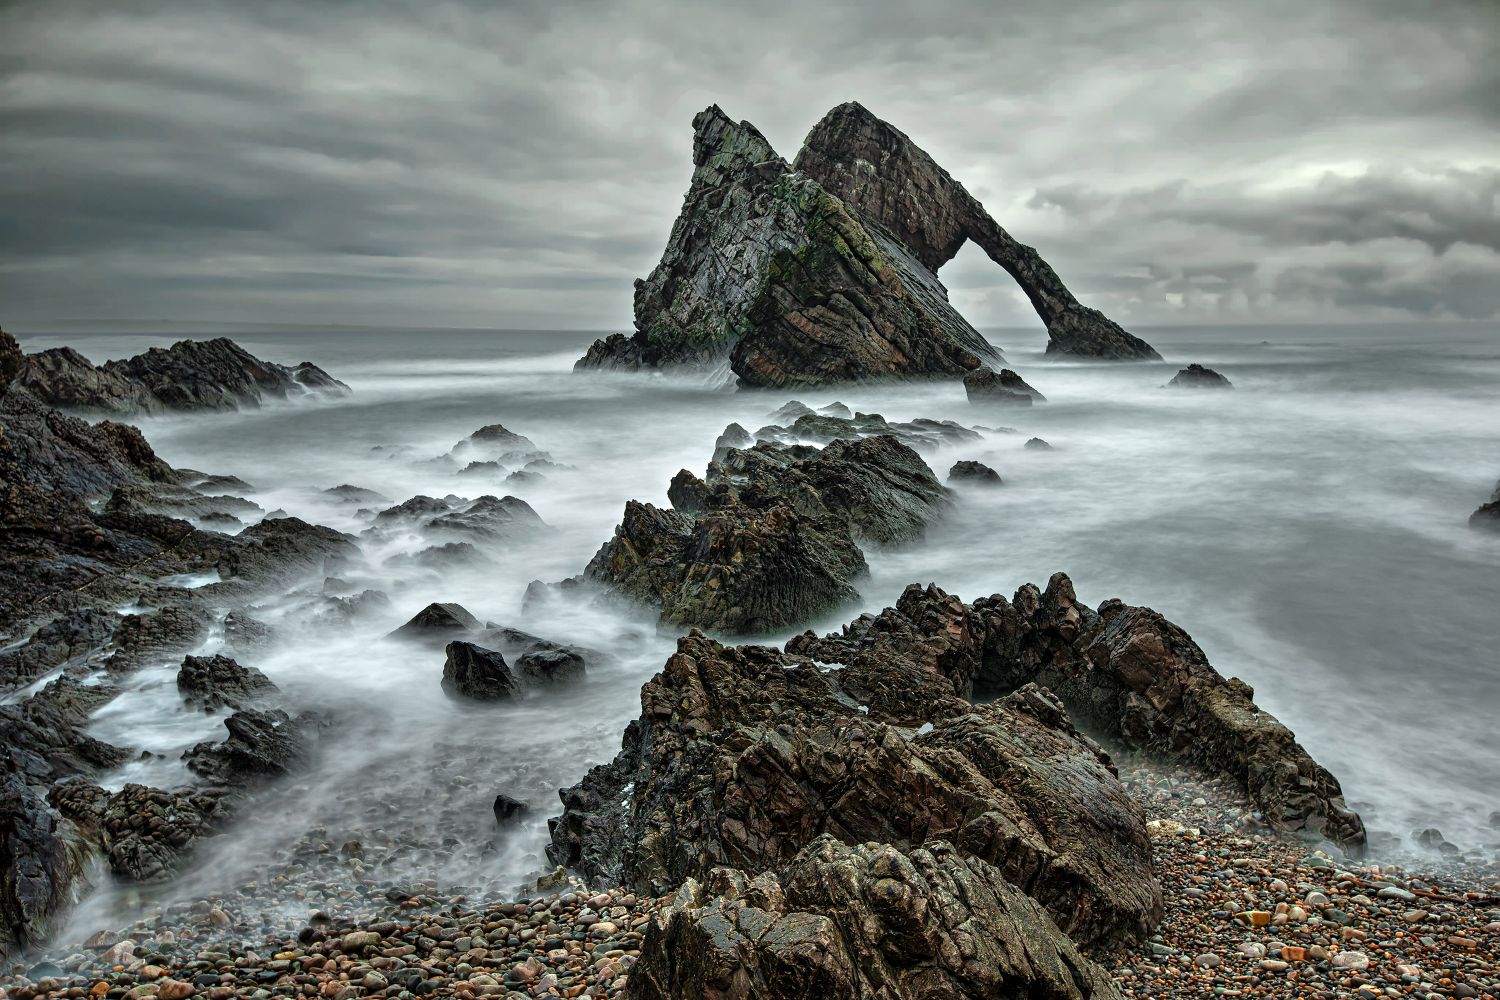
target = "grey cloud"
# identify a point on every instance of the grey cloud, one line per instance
(453, 163)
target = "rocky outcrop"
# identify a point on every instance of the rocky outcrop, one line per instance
(743, 755)
(1195, 376)
(773, 536)
(41, 867)
(877, 171)
(214, 374)
(1122, 672)
(985, 385)
(976, 473)
(1487, 516)
(437, 622)
(872, 920)
(764, 268)
(479, 674)
(826, 271)
(215, 682)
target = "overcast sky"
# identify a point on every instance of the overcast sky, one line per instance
(517, 165)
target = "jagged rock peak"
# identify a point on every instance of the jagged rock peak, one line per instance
(878, 170)
(720, 144)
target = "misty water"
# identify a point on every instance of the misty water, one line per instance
(1308, 529)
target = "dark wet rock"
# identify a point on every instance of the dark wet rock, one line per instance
(488, 517)
(973, 472)
(744, 755)
(438, 622)
(41, 867)
(872, 920)
(1037, 444)
(355, 494)
(509, 811)
(836, 410)
(1197, 377)
(215, 682)
(766, 269)
(1124, 673)
(478, 674)
(244, 633)
(985, 385)
(147, 833)
(261, 744)
(72, 634)
(481, 673)
(772, 537)
(12, 360)
(1487, 517)
(281, 549)
(418, 508)
(213, 374)
(880, 173)
(821, 428)
(44, 734)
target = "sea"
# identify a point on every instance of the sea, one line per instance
(1308, 529)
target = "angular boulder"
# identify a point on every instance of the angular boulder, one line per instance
(985, 385)
(438, 621)
(976, 473)
(261, 744)
(478, 674)
(215, 682)
(871, 920)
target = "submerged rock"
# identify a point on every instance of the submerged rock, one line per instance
(214, 374)
(984, 385)
(871, 920)
(973, 472)
(437, 621)
(1197, 377)
(1487, 517)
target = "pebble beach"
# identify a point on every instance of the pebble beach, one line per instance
(1247, 913)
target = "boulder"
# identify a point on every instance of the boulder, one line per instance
(478, 674)
(215, 682)
(985, 385)
(149, 832)
(1197, 377)
(871, 920)
(438, 621)
(744, 755)
(509, 811)
(261, 744)
(976, 473)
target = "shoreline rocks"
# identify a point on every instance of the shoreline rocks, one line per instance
(984, 385)
(1487, 516)
(213, 374)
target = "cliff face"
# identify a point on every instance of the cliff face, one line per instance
(826, 272)
(878, 171)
